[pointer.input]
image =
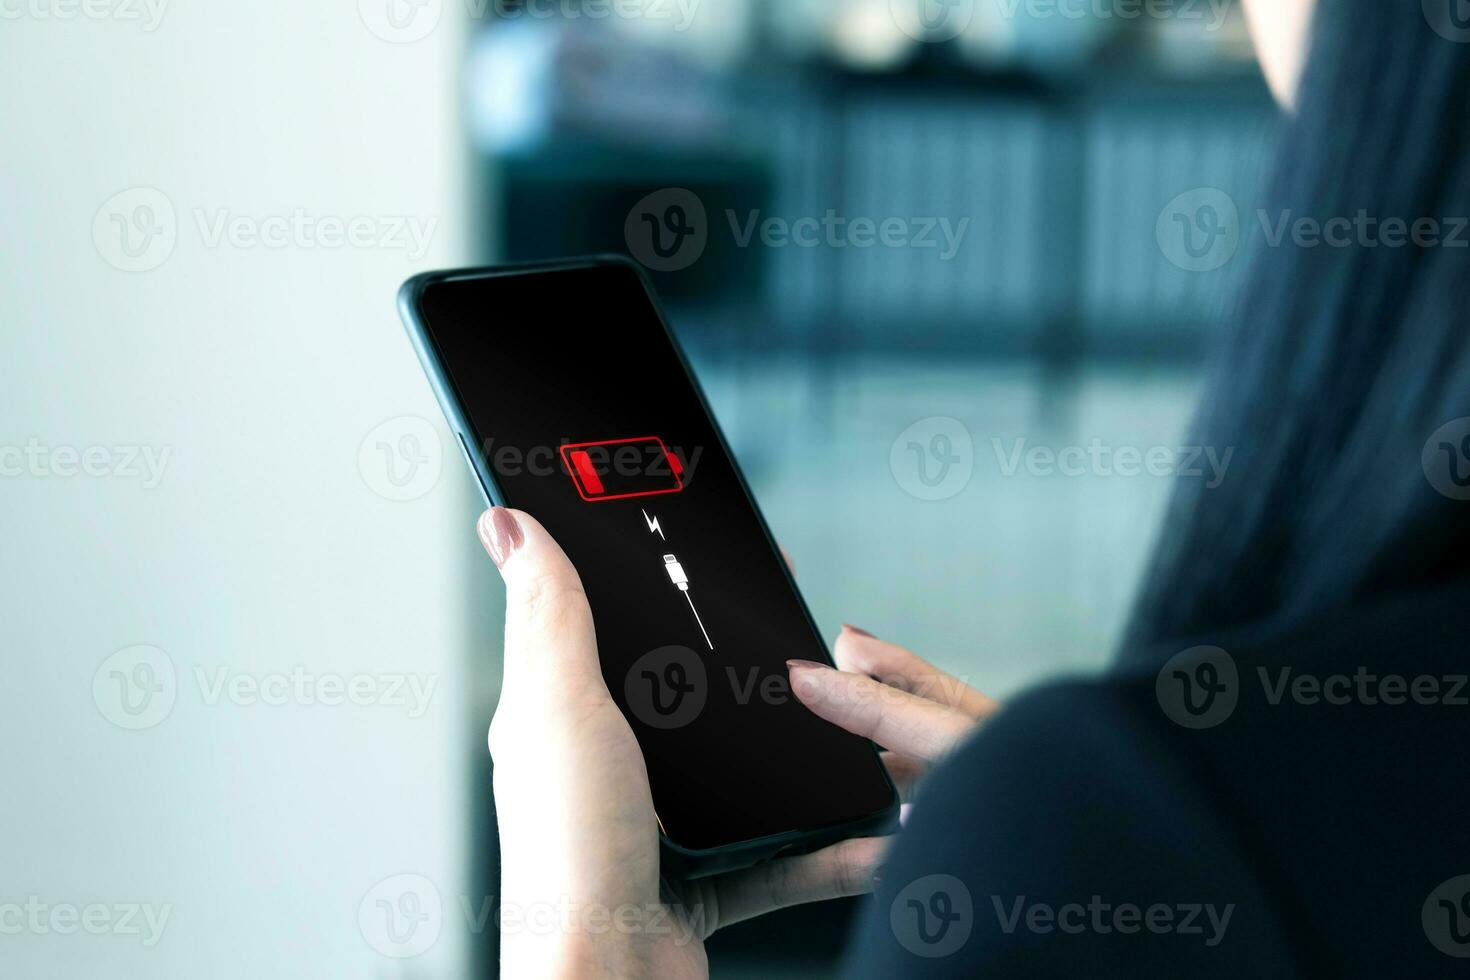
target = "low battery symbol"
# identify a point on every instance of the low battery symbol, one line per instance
(680, 578)
(617, 469)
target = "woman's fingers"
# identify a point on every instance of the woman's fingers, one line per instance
(894, 719)
(844, 869)
(549, 640)
(860, 652)
(905, 771)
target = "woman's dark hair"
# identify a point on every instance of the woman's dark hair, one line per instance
(1342, 362)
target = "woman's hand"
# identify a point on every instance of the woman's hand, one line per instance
(882, 692)
(580, 888)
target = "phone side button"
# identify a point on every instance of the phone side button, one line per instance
(464, 448)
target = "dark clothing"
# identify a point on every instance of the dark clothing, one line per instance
(1329, 833)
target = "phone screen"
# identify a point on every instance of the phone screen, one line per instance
(584, 413)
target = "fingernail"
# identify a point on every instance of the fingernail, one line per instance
(853, 629)
(500, 534)
(806, 665)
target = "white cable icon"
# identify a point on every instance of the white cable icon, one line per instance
(681, 580)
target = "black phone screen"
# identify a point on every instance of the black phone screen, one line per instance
(583, 411)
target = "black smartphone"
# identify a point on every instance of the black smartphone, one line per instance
(574, 403)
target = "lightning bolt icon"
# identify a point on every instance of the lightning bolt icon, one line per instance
(653, 525)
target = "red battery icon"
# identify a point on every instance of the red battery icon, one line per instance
(616, 469)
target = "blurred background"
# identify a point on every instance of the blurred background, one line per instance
(940, 252)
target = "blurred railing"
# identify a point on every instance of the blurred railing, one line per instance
(1038, 197)
(1062, 192)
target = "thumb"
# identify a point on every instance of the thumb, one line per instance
(549, 639)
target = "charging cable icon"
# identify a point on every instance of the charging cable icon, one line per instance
(680, 578)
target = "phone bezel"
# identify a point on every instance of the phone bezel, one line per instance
(684, 861)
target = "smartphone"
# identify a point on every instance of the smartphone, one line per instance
(573, 402)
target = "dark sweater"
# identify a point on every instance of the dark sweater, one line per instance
(1084, 833)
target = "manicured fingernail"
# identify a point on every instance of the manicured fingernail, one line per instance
(500, 534)
(806, 665)
(853, 629)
